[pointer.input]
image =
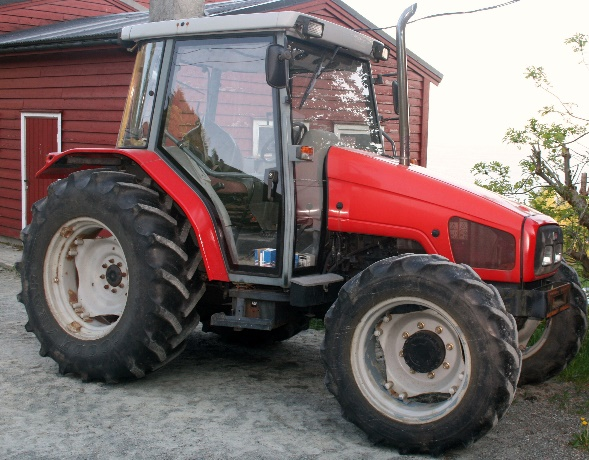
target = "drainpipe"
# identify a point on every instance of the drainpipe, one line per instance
(404, 138)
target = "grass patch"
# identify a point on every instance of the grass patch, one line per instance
(578, 370)
(316, 324)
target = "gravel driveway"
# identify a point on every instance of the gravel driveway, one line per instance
(222, 401)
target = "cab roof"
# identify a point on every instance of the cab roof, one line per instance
(289, 22)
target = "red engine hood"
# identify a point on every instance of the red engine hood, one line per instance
(418, 183)
(373, 194)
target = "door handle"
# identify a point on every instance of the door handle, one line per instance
(272, 183)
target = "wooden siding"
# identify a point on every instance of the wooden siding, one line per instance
(34, 13)
(88, 87)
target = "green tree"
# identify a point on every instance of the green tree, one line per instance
(553, 176)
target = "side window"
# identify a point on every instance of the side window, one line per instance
(219, 119)
(139, 106)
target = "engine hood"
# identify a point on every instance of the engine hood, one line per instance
(420, 185)
(374, 194)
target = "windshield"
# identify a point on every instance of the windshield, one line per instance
(331, 92)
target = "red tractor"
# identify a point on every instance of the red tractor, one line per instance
(250, 191)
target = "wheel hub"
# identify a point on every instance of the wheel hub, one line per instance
(424, 351)
(87, 281)
(114, 275)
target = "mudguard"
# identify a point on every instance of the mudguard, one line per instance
(57, 167)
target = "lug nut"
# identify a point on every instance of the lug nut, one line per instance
(102, 277)
(377, 332)
(461, 376)
(401, 354)
(420, 325)
(412, 371)
(402, 396)
(439, 329)
(388, 385)
(72, 253)
(121, 285)
(56, 280)
(446, 365)
(113, 290)
(431, 375)
(106, 286)
(386, 318)
(450, 346)
(452, 390)
(112, 261)
(119, 264)
(79, 242)
(405, 335)
(104, 266)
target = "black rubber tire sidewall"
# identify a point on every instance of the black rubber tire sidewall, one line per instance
(129, 345)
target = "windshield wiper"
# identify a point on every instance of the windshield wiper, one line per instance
(318, 71)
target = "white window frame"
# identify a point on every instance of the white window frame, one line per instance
(23, 153)
(256, 125)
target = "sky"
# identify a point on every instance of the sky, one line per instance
(483, 57)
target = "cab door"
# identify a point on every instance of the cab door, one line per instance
(220, 126)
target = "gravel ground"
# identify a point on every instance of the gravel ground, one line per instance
(220, 401)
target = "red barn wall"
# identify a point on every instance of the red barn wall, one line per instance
(88, 87)
(34, 13)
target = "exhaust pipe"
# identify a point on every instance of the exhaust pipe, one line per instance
(404, 139)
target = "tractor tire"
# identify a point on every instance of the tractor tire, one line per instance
(109, 278)
(560, 337)
(421, 354)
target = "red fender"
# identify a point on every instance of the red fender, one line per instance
(168, 180)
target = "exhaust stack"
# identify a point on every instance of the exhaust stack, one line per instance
(403, 86)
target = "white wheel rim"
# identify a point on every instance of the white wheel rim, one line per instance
(385, 378)
(525, 335)
(86, 278)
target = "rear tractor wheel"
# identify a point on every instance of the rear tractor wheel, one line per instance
(109, 276)
(421, 354)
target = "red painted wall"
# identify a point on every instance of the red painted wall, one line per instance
(34, 13)
(88, 87)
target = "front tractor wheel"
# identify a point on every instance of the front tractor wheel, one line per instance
(109, 276)
(548, 346)
(421, 354)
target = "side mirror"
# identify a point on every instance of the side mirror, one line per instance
(396, 96)
(276, 58)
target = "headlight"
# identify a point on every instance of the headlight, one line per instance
(309, 27)
(548, 249)
(547, 259)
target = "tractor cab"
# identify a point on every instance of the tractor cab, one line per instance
(248, 120)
